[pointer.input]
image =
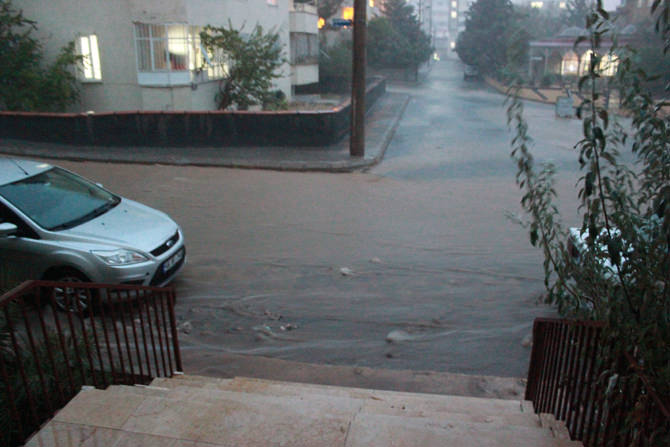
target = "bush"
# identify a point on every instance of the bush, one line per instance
(275, 100)
(623, 275)
(335, 61)
(25, 83)
(550, 79)
(249, 62)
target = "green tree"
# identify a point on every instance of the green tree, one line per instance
(622, 276)
(328, 8)
(336, 61)
(25, 83)
(397, 40)
(387, 47)
(576, 12)
(489, 29)
(249, 64)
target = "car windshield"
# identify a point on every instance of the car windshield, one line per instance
(58, 200)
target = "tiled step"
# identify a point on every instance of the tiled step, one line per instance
(375, 430)
(411, 401)
(370, 401)
(198, 411)
(338, 405)
(557, 428)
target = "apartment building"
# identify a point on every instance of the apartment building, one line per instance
(146, 54)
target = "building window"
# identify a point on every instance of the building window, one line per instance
(569, 64)
(348, 13)
(454, 5)
(272, 2)
(371, 3)
(90, 64)
(537, 5)
(163, 48)
(304, 48)
(454, 14)
(172, 54)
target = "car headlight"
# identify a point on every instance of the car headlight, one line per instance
(120, 257)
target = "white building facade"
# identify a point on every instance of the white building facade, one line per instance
(146, 54)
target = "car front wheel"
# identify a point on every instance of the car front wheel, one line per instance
(70, 299)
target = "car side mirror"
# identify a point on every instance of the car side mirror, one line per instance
(7, 229)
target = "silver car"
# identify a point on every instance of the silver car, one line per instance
(56, 225)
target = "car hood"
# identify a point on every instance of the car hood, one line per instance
(129, 225)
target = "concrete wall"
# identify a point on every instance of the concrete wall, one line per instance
(305, 74)
(304, 21)
(61, 21)
(191, 128)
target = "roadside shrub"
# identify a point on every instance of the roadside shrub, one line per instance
(622, 277)
(275, 100)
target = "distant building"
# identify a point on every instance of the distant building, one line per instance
(146, 54)
(559, 55)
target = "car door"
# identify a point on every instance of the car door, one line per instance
(21, 255)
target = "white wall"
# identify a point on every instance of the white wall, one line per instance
(305, 74)
(60, 21)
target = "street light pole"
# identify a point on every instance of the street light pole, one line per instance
(357, 140)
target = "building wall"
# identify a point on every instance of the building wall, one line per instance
(61, 21)
(112, 21)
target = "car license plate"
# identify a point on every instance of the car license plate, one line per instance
(174, 260)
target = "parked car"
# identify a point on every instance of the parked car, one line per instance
(471, 73)
(648, 230)
(56, 225)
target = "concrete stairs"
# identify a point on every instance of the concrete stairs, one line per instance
(200, 411)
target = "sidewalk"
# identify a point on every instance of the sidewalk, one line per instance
(381, 122)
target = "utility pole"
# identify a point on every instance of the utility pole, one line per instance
(357, 140)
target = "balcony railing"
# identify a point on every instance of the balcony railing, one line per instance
(308, 6)
(566, 378)
(111, 334)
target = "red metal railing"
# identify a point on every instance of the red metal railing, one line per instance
(566, 378)
(112, 334)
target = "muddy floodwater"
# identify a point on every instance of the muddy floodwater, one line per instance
(413, 265)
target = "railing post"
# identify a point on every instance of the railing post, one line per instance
(536, 359)
(175, 336)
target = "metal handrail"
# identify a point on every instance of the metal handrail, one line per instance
(565, 378)
(127, 334)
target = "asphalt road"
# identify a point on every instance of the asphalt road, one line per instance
(324, 268)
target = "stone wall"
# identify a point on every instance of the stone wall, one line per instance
(187, 128)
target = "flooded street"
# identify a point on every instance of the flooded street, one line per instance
(413, 265)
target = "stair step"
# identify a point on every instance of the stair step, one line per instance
(557, 428)
(434, 402)
(243, 411)
(206, 415)
(379, 430)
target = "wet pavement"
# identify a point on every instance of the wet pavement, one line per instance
(412, 265)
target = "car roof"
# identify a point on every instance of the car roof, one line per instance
(14, 169)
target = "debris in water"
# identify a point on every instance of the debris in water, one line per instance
(346, 271)
(186, 327)
(398, 336)
(272, 315)
(376, 260)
